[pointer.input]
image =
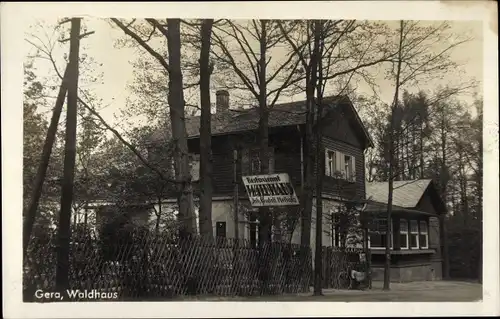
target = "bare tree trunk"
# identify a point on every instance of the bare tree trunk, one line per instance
(206, 191)
(30, 212)
(265, 220)
(444, 182)
(422, 164)
(387, 266)
(64, 230)
(317, 68)
(177, 117)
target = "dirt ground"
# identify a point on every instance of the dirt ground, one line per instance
(459, 291)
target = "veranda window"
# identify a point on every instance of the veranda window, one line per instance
(414, 234)
(403, 234)
(423, 235)
(378, 234)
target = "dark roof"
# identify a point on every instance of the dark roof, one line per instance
(285, 114)
(406, 194)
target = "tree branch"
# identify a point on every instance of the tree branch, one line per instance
(150, 50)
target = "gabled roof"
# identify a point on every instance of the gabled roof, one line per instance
(376, 207)
(406, 194)
(285, 114)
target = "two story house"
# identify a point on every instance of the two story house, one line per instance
(236, 154)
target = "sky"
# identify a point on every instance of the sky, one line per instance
(114, 63)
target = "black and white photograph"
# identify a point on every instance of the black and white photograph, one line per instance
(230, 154)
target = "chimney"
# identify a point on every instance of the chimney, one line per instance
(222, 101)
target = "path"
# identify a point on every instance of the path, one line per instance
(415, 291)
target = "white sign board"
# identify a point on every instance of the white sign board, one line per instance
(270, 190)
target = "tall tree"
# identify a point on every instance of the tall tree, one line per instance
(38, 199)
(349, 48)
(387, 267)
(244, 50)
(317, 54)
(423, 54)
(177, 118)
(206, 69)
(64, 230)
(176, 108)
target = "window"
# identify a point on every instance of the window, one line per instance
(194, 165)
(331, 163)
(340, 165)
(378, 234)
(255, 167)
(423, 237)
(220, 229)
(349, 167)
(414, 234)
(253, 231)
(403, 234)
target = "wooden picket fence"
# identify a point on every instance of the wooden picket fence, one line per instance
(145, 266)
(338, 263)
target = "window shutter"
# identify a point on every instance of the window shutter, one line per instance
(245, 162)
(353, 165)
(327, 164)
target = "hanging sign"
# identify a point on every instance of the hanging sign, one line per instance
(270, 190)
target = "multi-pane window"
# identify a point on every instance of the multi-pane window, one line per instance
(255, 164)
(423, 235)
(403, 234)
(349, 167)
(330, 163)
(378, 234)
(414, 234)
(340, 165)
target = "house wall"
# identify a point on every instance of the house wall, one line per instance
(409, 273)
(339, 135)
(425, 204)
(286, 152)
(343, 188)
(285, 144)
(409, 268)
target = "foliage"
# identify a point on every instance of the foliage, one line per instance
(345, 224)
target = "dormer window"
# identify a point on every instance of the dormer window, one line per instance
(254, 164)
